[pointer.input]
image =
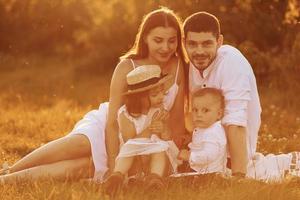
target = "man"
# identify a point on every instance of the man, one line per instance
(222, 66)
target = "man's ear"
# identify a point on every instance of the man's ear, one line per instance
(220, 41)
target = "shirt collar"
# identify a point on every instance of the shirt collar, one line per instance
(201, 130)
(207, 71)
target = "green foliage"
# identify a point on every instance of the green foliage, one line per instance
(100, 31)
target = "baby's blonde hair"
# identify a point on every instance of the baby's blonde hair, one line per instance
(217, 93)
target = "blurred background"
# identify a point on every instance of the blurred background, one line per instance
(57, 57)
(67, 48)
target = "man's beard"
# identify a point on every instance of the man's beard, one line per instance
(206, 60)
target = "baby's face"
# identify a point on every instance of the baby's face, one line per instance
(206, 110)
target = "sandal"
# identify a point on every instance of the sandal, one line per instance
(154, 182)
(114, 183)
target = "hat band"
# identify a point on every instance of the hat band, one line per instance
(145, 83)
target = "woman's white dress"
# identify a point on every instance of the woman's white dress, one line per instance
(93, 127)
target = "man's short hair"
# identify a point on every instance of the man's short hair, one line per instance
(202, 22)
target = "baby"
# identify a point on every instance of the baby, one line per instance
(208, 147)
(207, 152)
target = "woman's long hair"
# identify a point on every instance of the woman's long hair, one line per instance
(163, 17)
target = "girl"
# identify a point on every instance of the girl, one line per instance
(96, 135)
(143, 129)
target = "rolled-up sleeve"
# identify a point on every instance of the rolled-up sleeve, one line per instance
(236, 89)
(235, 113)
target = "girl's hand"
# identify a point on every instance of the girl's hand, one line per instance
(157, 127)
(184, 155)
(166, 135)
(162, 114)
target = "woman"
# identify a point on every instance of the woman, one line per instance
(157, 42)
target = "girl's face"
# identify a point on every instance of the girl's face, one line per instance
(206, 110)
(162, 43)
(156, 96)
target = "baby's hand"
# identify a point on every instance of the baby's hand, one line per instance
(184, 155)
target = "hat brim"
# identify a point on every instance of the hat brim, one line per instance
(143, 89)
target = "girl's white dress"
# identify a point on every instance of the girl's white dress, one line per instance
(146, 146)
(93, 127)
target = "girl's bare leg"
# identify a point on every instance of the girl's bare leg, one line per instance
(123, 164)
(66, 148)
(62, 170)
(158, 163)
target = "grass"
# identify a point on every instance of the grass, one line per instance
(41, 100)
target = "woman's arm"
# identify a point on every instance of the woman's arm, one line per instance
(117, 87)
(176, 120)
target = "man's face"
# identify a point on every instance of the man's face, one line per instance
(202, 48)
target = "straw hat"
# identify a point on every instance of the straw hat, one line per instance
(145, 77)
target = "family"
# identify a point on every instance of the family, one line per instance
(142, 131)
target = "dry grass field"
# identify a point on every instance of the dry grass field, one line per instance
(41, 100)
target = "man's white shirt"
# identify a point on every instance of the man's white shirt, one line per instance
(232, 73)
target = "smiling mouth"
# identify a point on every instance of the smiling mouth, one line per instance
(164, 55)
(200, 59)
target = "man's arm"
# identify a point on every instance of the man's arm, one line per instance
(237, 148)
(237, 91)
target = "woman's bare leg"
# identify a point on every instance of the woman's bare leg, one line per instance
(62, 170)
(66, 148)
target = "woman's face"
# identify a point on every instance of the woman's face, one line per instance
(162, 43)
